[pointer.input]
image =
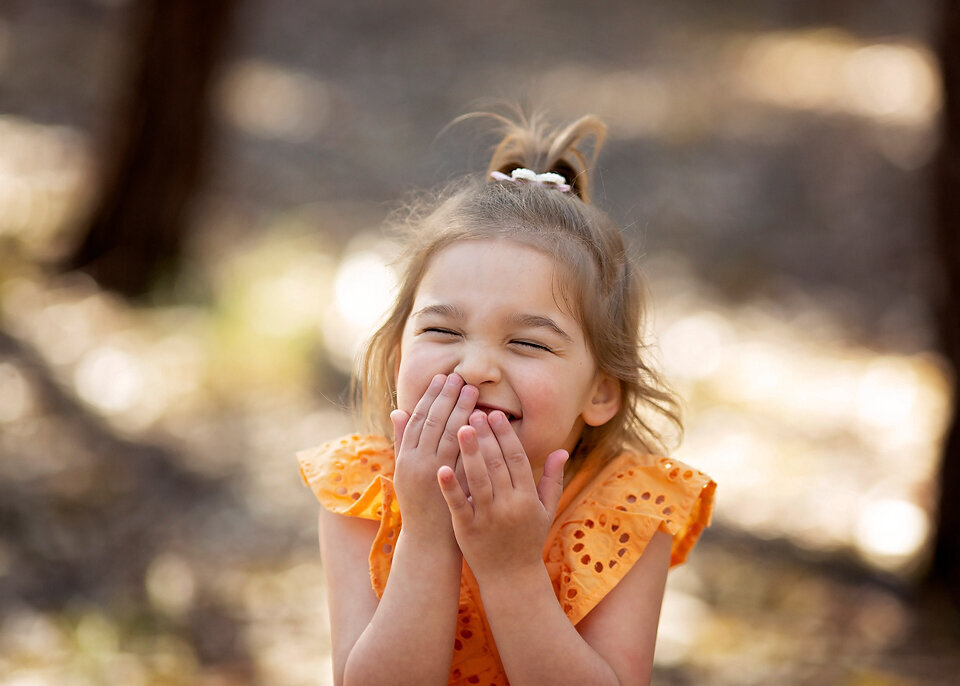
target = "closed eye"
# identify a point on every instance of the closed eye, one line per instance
(532, 345)
(439, 330)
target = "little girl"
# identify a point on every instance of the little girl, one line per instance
(517, 529)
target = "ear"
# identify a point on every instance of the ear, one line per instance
(604, 400)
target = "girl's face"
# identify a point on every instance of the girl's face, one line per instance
(487, 310)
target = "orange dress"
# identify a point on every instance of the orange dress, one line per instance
(606, 516)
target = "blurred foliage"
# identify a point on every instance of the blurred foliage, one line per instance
(771, 161)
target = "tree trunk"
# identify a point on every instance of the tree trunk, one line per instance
(945, 567)
(156, 147)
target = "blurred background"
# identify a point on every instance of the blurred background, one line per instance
(191, 202)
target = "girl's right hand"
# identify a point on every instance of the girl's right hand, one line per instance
(423, 442)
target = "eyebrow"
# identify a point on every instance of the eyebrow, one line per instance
(537, 321)
(451, 311)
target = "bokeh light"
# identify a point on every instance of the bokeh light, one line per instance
(15, 397)
(828, 70)
(892, 531)
(364, 287)
(747, 153)
(269, 101)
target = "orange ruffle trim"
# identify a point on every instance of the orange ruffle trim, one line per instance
(608, 514)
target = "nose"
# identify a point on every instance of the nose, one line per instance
(478, 365)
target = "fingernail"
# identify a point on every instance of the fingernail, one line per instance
(477, 418)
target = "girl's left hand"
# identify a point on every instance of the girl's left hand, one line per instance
(501, 526)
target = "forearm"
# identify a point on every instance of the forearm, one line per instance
(536, 641)
(409, 640)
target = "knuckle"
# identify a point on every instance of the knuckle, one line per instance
(494, 464)
(431, 422)
(476, 481)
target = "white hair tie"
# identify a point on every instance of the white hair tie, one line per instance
(524, 175)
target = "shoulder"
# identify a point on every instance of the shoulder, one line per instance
(340, 472)
(678, 497)
(352, 476)
(606, 529)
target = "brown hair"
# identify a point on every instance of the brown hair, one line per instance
(599, 281)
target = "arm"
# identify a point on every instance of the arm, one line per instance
(613, 644)
(407, 636)
(501, 532)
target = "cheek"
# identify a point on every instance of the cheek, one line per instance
(537, 390)
(556, 392)
(415, 370)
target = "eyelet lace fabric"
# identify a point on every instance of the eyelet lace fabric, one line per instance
(607, 515)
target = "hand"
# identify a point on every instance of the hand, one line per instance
(501, 526)
(425, 441)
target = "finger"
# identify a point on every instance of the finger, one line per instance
(478, 481)
(436, 420)
(449, 447)
(460, 507)
(461, 475)
(492, 454)
(418, 417)
(551, 482)
(399, 418)
(514, 456)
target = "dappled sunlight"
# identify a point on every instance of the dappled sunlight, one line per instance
(86, 648)
(892, 84)
(289, 301)
(269, 101)
(813, 438)
(130, 367)
(291, 609)
(286, 606)
(171, 585)
(747, 646)
(800, 427)
(110, 379)
(363, 285)
(678, 634)
(364, 288)
(750, 165)
(15, 396)
(45, 175)
(891, 531)
(830, 71)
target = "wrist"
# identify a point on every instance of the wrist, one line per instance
(507, 584)
(431, 541)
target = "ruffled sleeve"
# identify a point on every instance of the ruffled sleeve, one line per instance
(352, 476)
(602, 533)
